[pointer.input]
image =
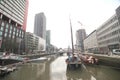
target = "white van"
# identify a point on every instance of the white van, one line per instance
(116, 51)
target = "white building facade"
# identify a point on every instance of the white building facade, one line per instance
(33, 42)
(90, 43)
(108, 35)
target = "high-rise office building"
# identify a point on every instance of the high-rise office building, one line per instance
(48, 37)
(48, 44)
(15, 11)
(13, 18)
(80, 36)
(40, 25)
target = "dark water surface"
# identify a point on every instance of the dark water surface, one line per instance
(55, 69)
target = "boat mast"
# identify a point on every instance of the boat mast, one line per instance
(71, 36)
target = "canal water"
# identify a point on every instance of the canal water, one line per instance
(55, 69)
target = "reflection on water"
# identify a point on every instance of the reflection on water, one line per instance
(55, 69)
(94, 73)
(104, 73)
(58, 69)
(30, 71)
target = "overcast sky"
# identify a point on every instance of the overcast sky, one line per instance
(91, 13)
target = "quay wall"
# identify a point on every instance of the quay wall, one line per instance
(4, 62)
(33, 56)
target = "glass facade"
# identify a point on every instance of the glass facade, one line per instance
(13, 17)
(9, 33)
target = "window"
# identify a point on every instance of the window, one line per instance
(10, 31)
(2, 28)
(9, 35)
(20, 32)
(13, 36)
(7, 25)
(11, 27)
(16, 34)
(17, 30)
(3, 23)
(1, 33)
(22, 35)
(14, 28)
(5, 35)
(19, 35)
(13, 33)
(6, 30)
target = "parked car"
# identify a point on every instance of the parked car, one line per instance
(116, 51)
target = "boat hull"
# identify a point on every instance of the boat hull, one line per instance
(73, 66)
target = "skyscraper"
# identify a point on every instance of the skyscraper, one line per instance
(48, 37)
(80, 36)
(40, 25)
(14, 11)
(13, 18)
(48, 44)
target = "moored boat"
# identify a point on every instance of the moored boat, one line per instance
(73, 62)
(38, 59)
(89, 60)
